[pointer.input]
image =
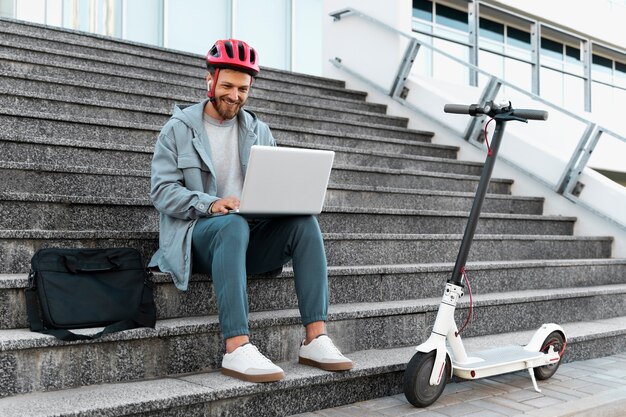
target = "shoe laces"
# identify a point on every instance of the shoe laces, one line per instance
(327, 344)
(253, 353)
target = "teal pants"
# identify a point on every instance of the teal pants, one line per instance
(229, 248)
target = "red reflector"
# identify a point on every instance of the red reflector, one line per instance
(473, 374)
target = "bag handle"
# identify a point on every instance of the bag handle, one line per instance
(75, 266)
(146, 316)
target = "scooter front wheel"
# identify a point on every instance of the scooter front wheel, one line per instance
(417, 388)
(557, 341)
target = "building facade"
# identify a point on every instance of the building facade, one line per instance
(571, 53)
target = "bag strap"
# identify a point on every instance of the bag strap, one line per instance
(145, 317)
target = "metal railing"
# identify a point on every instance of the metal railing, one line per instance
(568, 185)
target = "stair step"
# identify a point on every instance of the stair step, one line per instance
(393, 178)
(57, 68)
(376, 373)
(384, 220)
(82, 55)
(193, 344)
(340, 126)
(336, 219)
(349, 284)
(369, 158)
(357, 196)
(110, 155)
(85, 181)
(158, 117)
(342, 249)
(95, 45)
(399, 198)
(288, 134)
(147, 97)
(366, 249)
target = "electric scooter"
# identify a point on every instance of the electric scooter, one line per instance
(436, 361)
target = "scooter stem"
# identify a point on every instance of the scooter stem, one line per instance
(479, 198)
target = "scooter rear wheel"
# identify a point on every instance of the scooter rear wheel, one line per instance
(557, 340)
(417, 388)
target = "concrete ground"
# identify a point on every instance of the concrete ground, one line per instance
(595, 387)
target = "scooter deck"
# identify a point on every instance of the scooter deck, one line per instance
(498, 361)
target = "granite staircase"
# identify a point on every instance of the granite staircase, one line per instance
(78, 119)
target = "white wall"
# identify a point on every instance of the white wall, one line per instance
(374, 51)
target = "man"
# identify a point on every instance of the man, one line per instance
(198, 169)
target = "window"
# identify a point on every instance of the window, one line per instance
(491, 30)
(6, 8)
(453, 18)
(552, 49)
(144, 21)
(518, 38)
(423, 9)
(620, 74)
(255, 18)
(187, 24)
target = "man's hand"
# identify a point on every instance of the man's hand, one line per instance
(223, 205)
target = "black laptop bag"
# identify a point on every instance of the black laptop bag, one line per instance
(82, 288)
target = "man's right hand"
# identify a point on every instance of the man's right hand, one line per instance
(224, 205)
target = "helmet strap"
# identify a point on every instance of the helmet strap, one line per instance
(211, 92)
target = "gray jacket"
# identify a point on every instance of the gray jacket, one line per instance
(184, 184)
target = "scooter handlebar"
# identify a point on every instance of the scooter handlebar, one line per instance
(531, 114)
(491, 110)
(457, 108)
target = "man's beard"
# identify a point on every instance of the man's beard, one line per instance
(225, 110)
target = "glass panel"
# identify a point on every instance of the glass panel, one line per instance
(76, 14)
(254, 18)
(188, 27)
(308, 37)
(552, 49)
(450, 17)
(491, 30)
(83, 23)
(620, 74)
(601, 68)
(518, 38)
(6, 8)
(572, 53)
(31, 10)
(109, 18)
(423, 9)
(551, 85)
(144, 21)
(54, 13)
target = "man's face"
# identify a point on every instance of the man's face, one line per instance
(231, 93)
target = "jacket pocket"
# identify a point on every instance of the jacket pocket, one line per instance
(191, 161)
(196, 174)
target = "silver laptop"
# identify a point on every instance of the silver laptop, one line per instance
(285, 181)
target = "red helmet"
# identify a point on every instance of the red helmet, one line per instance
(234, 54)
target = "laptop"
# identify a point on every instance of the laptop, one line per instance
(285, 181)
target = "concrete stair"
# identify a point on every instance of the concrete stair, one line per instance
(78, 119)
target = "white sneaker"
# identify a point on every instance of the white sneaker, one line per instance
(247, 363)
(323, 353)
